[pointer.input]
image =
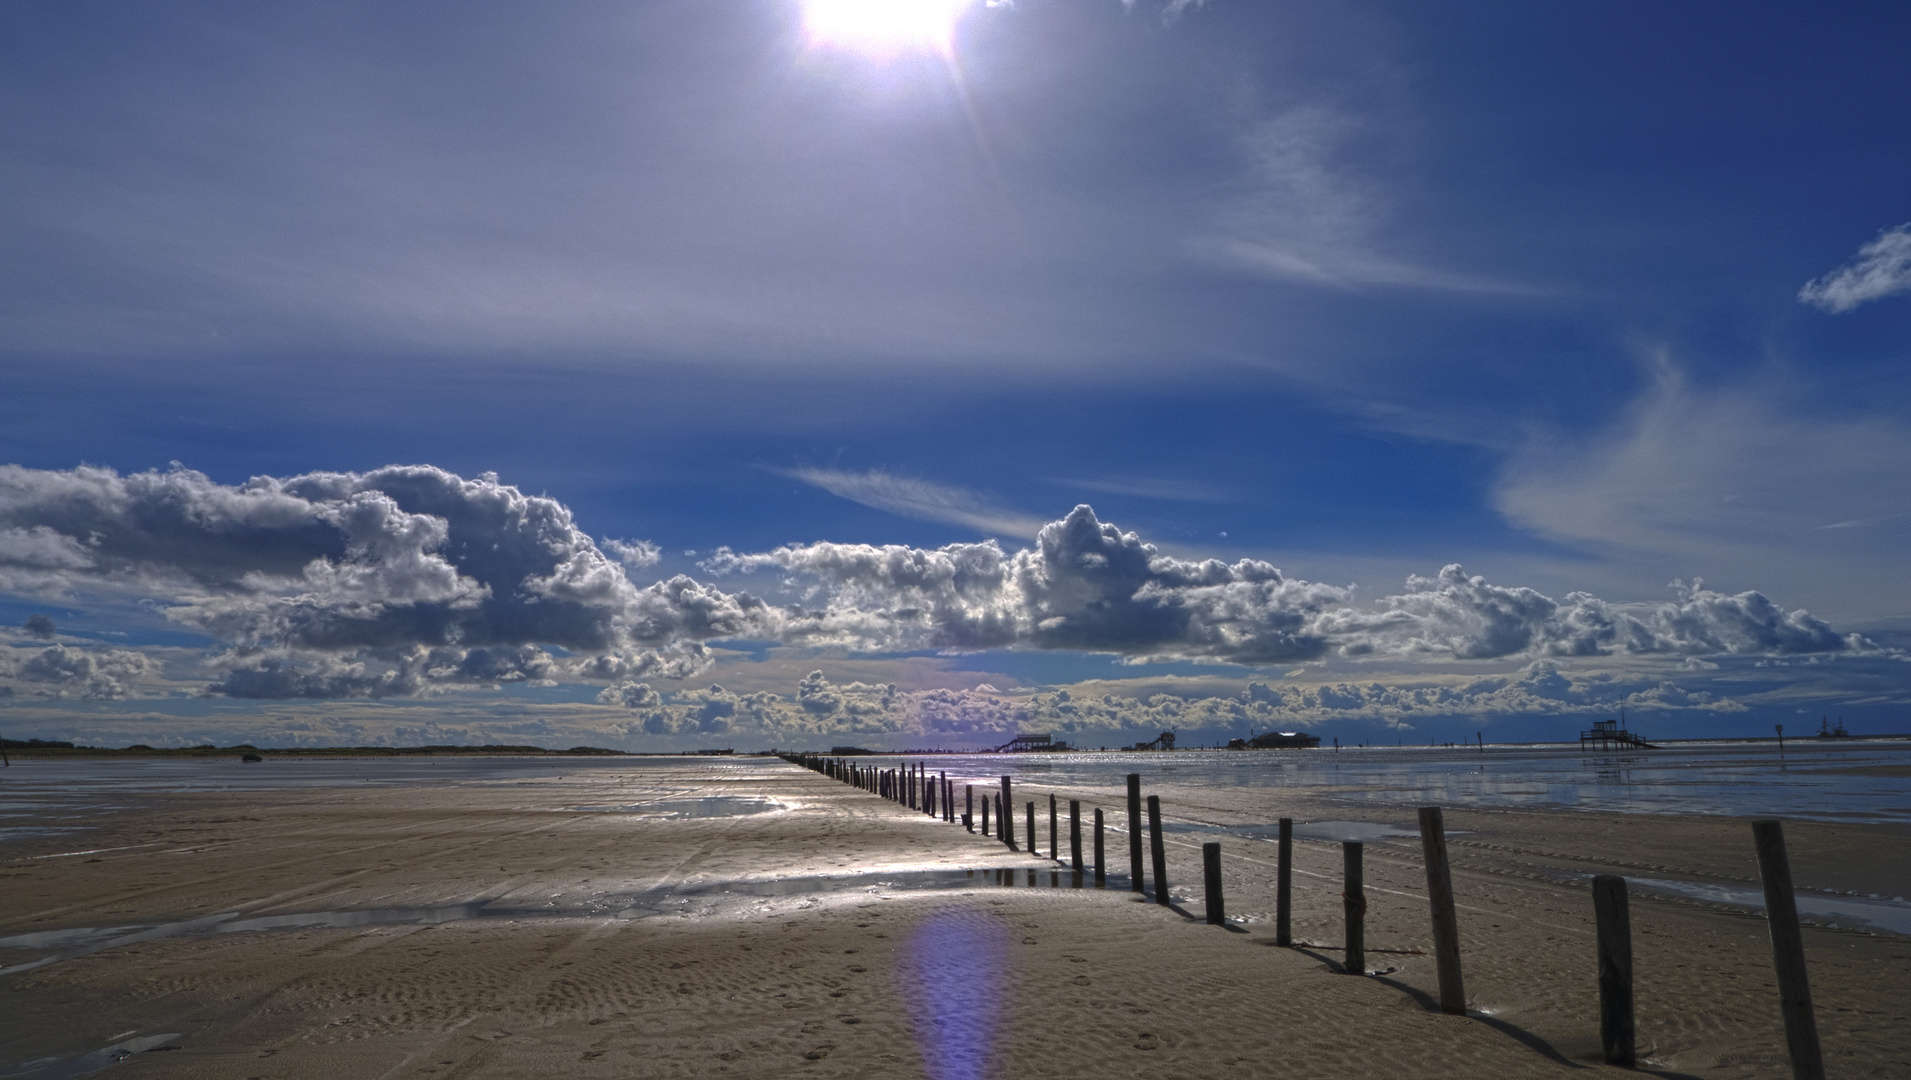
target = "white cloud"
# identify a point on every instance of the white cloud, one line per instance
(920, 499)
(634, 554)
(1739, 483)
(1305, 215)
(60, 671)
(821, 709)
(411, 580)
(1881, 268)
(353, 584)
(1088, 586)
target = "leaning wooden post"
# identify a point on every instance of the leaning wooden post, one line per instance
(1054, 841)
(1354, 900)
(1002, 812)
(1135, 876)
(1788, 951)
(1030, 817)
(1211, 883)
(1159, 852)
(1284, 887)
(1446, 926)
(1075, 834)
(1101, 856)
(1614, 923)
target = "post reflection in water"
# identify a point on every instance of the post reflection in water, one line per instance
(947, 952)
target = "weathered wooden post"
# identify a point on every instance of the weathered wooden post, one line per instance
(1211, 883)
(948, 799)
(1134, 831)
(1075, 834)
(1354, 901)
(985, 815)
(1101, 852)
(1054, 841)
(1030, 817)
(1614, 925)
(1284, 887)
(1160, 853)
(1446, 926)
(1002, 812)
(968, 814)
(1788, 951)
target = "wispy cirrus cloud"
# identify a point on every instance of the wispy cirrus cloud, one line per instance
(921, 499)
(1881, 268)
(1303, 214)
(1167, 489)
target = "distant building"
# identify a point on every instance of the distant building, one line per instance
(1282, 740)
(1023, 744)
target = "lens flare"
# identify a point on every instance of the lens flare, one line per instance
(884, 26)
(951, 956)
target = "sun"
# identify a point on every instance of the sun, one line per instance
(883, 27)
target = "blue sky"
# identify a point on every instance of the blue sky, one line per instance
(1584, 299)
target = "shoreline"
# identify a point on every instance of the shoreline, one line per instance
(675, 990)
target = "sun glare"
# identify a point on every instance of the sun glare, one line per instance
(883, 26)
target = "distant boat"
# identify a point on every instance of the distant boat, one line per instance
(1826, 731)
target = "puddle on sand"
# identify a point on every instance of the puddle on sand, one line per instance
(1362, 831)
(86, 940)
(85, 1064)
(710, 806)
(908, 881)
(1893, 915)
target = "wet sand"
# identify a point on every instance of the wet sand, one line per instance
(612, 949)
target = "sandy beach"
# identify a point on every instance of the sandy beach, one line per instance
(563, 925)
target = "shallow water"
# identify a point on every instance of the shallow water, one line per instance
(88, 1063)
(708, 806)
(1878, 912)
(80, 941)
(1863, 780)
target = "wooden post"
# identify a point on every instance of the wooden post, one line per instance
(1031, 826)
(1614, 924)
(1446, 926)
(1353, 894)
(1054, 841)
(1160, 853)
(1134, 831)
(948, 799)
(1211, 881)
(1284, 887)
(1075, 834)
(1788, 951)
(968, 816)
(985, 815)
(1002, 812)
(1101, 852)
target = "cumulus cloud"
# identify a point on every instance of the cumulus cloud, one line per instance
(410, 579)
(634, 554)
(60, 671)
(1086, 585)
(1881, 268)
(40, 626)
(352, 584)
(821, 709)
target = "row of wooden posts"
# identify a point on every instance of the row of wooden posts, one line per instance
(912, 785)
